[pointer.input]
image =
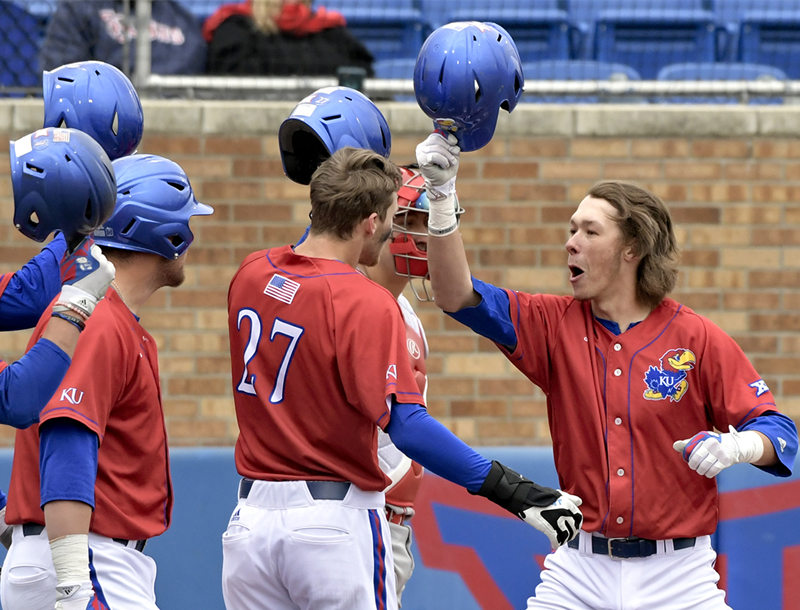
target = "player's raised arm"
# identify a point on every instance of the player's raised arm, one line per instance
(438, 157)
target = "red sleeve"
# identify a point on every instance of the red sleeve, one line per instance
(374, 357)
(95, 377)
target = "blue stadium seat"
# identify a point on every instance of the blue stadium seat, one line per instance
(539, 33)
(667, 18)
(19, 46)
(395, 68)
(437, 12)
(648, 42)
(720, 71)
(573, 69)
(771, 37)
(202, 9)
(389, 29)
(729, 15)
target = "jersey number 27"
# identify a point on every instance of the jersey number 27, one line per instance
(279, 327)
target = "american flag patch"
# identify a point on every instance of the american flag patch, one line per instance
(281, 288)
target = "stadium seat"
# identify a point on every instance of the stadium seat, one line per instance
(390, 30)
(773, 38)
(539, 33)
(395, 68)
(720, 71)
(649, 42)
(646, 34)
(202, 9)
(575, 69)
(19, 47)
(729, 15)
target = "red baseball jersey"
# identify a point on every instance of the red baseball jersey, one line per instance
(317, 351)
(616, 403)
(112, 387)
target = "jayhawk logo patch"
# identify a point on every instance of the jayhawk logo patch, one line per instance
(668, 380)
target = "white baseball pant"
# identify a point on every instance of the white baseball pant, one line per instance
(286, 550)
(671, 579)
(122, 576)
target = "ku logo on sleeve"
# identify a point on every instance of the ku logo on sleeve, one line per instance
(668, 380)
(73, 396)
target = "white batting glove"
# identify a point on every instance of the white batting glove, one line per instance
(437, 157)
(86, 275)
(74, 596)
(560, 521)
(709, 453)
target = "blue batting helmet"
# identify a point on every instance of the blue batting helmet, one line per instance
(154, 204)
(465, 73)
(325, 121)
(62, 180)
(97, 98)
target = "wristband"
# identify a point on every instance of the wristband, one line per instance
(71, 557)
(76, 322)
(442, 219)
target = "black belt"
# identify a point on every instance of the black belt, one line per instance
(628, 548)
(319, 490)
(34, 529)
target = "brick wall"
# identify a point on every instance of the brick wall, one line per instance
(731, 176)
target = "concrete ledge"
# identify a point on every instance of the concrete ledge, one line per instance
(263, 117)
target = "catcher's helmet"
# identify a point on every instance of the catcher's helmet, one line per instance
(154, 204)
(465, 72)
(325, 121)
(97, 98)
(409, 260)
(62, 180)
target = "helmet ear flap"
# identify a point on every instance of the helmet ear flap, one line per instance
(336, 117)
(154, 204)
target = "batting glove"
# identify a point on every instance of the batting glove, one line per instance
(74, 596)
(709, 453)
(437, 157)
(86, 275)
(551, 511)
(560, 521)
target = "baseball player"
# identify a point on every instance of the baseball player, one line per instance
(75, 175)
(90, 484)
(319, 362)
(647, 400)
(308, 136)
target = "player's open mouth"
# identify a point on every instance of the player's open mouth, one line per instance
(574, 271)
(422, 246)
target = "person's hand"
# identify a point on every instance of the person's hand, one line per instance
(560, 521)
(74, 596)
(551, 511)
(86, 275)
(437, 157)
(709, 453)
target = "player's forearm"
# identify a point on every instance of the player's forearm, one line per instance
(64, 517)
(450, 276)
(769, 457)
